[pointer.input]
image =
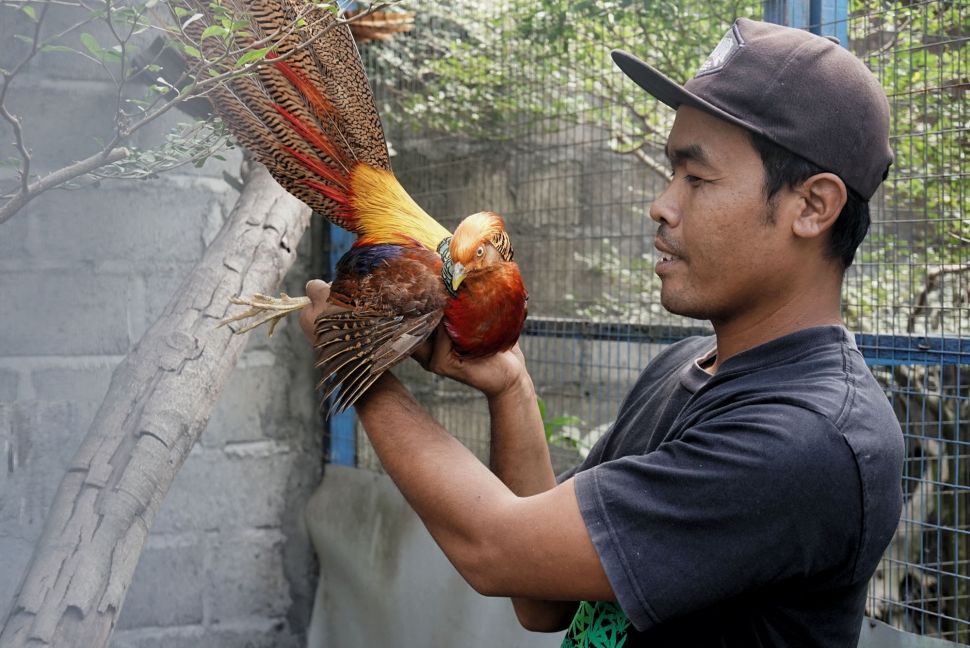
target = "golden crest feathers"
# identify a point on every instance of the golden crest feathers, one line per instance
(474, 230)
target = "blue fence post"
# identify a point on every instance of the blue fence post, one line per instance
(823, 17)
(341, 429)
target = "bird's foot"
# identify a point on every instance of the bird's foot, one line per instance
(262, 309)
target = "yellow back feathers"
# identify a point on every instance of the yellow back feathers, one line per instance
(385, 211)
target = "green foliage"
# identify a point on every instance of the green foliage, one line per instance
(557, 428)
(920, 52)
(498, 70)
(186, 143)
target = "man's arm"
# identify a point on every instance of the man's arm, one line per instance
(519, 452)
(528, 542)
(502, 544)
(520, 458)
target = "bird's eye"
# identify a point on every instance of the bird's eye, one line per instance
(480, 252)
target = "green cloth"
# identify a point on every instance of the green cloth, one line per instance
(597, 625)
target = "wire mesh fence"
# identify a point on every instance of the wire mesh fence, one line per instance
(514, 107)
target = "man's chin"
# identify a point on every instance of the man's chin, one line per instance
(682, 307)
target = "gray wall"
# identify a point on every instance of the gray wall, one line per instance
(82, 275)
(384, 582)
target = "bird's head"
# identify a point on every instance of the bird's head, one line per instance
(479, 241)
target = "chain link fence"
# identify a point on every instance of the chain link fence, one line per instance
(515, 107)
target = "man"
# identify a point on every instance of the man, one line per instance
(751, 481)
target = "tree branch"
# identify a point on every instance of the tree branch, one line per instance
(640, 154)
(125, 126)
(932, 279)
(55, 179)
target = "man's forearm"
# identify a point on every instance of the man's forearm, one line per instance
(464, 505)
(445, 484)
(520, 458)
(519, 453)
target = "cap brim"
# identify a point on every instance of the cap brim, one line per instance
(668, 91)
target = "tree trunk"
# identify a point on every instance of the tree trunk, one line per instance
(158, 403)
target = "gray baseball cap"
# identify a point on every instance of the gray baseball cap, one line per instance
(801, 91)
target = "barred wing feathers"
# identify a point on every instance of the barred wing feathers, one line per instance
(395, 299)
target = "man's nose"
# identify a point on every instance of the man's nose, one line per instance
(664, 208)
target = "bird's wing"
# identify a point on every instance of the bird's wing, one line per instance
(395, 299)
(309, 115)
(356, 348)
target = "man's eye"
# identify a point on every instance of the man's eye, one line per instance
(693, 180)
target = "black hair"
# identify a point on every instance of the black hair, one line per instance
(786, 169)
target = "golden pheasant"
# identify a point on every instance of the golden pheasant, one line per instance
(309, 116)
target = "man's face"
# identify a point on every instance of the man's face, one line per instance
(721, 256)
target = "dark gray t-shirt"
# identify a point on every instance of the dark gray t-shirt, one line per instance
(749, 508)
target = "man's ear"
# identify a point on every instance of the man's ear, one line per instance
(822, 197)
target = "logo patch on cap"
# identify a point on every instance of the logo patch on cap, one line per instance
(727, 48)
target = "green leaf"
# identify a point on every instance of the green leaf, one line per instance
(57, 48)
(29, 10)
(214, 30)
(91, 44)
(250, 57)
(193, 52)
(24, 39)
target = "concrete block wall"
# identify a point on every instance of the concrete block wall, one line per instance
(82, 275)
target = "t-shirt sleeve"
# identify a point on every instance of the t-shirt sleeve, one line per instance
(748, 499)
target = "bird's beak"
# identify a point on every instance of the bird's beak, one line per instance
(457, 276)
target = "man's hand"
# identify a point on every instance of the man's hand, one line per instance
(318, 292)
(492, 376)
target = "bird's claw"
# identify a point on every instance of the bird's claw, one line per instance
(263, 309)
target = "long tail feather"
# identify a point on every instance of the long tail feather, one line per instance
(380, 25)
(308, 113)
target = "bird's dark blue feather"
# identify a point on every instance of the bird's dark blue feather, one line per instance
(362, 260)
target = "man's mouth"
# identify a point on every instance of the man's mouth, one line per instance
(666, 250)
(667, 253)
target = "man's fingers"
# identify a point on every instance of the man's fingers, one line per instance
(318, 291)
(443, 359)
(422, 353)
